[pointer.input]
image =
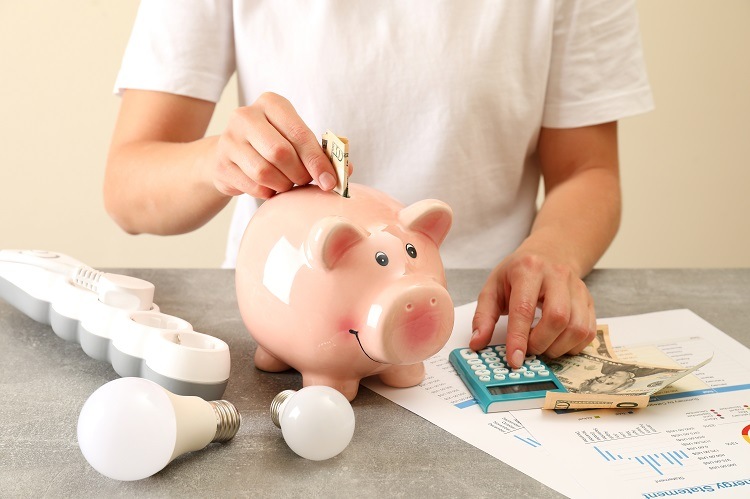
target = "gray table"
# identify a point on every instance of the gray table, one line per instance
(44, 382)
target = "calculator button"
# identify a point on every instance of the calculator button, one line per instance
(530, 357)
(500, 349)
(486, 350)
(495, 365)
(514, 376)
(483, 372)
(499, 377)
(467, 353)
(477, 367)
(500, 370)
(474, 361)
(519, 370)
(544, 372)
(529, 374)
(484, 378)
(489, 355)
(534, 362)
(537, 367)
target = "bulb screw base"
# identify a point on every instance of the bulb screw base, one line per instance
(228, 420)
(277, 406)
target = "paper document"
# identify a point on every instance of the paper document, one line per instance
(444, 400)
(693, 435)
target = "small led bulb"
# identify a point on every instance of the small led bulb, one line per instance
(317, 422)
(131, 428)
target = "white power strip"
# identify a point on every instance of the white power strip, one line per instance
(113, 319)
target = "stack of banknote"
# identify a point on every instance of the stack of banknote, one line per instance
(597, 378)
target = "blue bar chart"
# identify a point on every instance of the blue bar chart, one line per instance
(528, 441)
(658, 462)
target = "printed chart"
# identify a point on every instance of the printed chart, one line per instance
(694, 438)
(694, 444)
(690, 439)
(659, 462)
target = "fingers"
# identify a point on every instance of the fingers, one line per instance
(525, 289)
(556, 314)
(232, 181)
(251, 161)
(568, 320)
(486, 315)
(308, 154)
(267, 148)
(580, 329)
(516, 287)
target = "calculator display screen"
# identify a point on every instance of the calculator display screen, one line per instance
(521, 388)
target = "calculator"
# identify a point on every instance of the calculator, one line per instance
(498, 387)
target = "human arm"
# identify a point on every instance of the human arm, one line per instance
(576, 223)
(164, 176)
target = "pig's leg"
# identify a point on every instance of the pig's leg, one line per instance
(267, 362)
(348, 387)
(403, 376)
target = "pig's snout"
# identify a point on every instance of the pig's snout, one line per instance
(408, 325)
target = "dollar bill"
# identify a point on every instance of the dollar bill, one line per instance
(594, 381)
(572, 401)
(601, 346)
(337, 150)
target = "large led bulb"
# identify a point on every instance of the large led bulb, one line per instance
(317, 422)
(131, 428)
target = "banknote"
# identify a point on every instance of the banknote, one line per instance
(337, 150)
(593, 381)
(601, 346)
(568, 401)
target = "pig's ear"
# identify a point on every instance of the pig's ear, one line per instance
(330, 238)
(431, 217)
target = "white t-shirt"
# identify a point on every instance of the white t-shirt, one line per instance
(438, 99)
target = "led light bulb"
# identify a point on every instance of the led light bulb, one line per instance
(131, 428)
(317, 422)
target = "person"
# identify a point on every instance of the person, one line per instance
(470, 103)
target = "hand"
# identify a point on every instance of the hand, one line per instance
(515, 287)
(267, 148)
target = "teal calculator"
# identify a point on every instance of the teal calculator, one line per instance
(498, 387)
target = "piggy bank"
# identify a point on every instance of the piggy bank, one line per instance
(344, 288)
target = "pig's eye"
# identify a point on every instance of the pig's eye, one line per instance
(381, 258)
(411, 250)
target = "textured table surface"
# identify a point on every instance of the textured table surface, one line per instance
(45, 380)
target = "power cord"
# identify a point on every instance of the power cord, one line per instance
(121, 291)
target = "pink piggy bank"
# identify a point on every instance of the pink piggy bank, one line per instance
(345, 288)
